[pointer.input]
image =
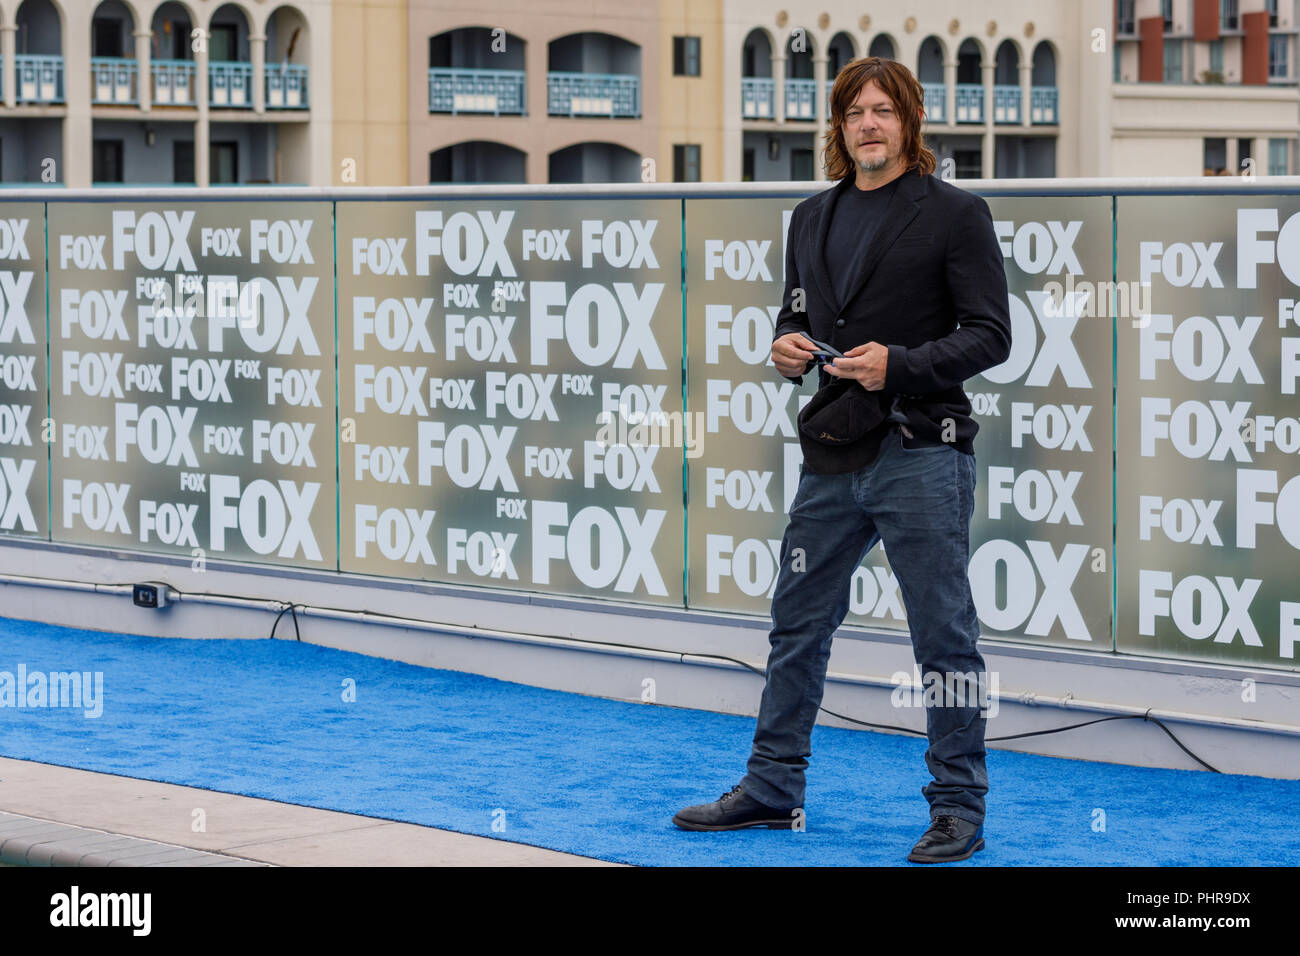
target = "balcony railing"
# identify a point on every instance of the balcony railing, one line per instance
(757, 94)
(40, 77)
(758, 97)
(454, 90)
(1042, 106)
(1006, 104)
(286, 86)
(936, 102)
(230, 85)
(593, 94)
(113, 80)
(800, 98)
(970, 103)
(173, 82)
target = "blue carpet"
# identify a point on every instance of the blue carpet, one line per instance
(585, 775)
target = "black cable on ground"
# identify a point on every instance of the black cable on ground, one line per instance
(290, 609)
(1033, 733)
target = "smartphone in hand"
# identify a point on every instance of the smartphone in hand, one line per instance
(823, 353)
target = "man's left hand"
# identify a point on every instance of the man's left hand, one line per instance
(866, 364)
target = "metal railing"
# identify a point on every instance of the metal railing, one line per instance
(1043, 106)
(800, 99)
(1006, 104)
(970, 103)
(457, 90)
(286, 86)
(936, 102)
(758, 97)
(593, 94)
(113, 80)
(230, 85)
(40, 77)
(173, 82)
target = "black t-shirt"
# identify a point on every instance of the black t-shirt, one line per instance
(854, 219)
(856, 214)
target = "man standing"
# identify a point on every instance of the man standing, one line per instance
(902, 273)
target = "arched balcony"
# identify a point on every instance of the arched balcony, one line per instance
(593, 74)
(929, 70)
(472, 70)
(114, 78)
(39, 60)
(757, 88)
(1043, 104)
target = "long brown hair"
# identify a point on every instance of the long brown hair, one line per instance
(895, 81)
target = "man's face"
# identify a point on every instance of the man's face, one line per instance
(873, 130)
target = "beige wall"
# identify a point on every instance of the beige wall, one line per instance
(692, 105)
(370, 92)
(1159, 129)
(1173, 155)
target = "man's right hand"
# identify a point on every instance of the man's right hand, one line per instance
(791, 354)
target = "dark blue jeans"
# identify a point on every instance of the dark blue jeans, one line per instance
(918, 501)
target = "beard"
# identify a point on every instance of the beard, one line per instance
(874, 164)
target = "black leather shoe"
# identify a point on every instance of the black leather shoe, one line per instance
(734, 810)
(948, 839)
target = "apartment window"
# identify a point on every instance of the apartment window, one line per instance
(221, 43)
(686, 56)
(968, 163)
(1228, 15)
(1278, 48)
(1215, 156)
(686, 163)
(1271, 6)
(801, 165)
(747, 166)
(1173, 61)
(223, 163)
(174, 41)
(1124, 17)
(183, 161)
(1117, 58)
(105, 37)
(1278, 152)
(1167, 13)
(1216, 58)
(106, 161)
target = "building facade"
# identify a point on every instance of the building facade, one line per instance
(409, 92)
(172, 92)
(723, 90)
(1205, 87)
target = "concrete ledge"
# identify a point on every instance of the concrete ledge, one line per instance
(96, 819)
(29, 841)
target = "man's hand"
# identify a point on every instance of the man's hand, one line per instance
(866, 364)
(791, 354)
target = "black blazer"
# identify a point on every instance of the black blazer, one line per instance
(931, 287)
